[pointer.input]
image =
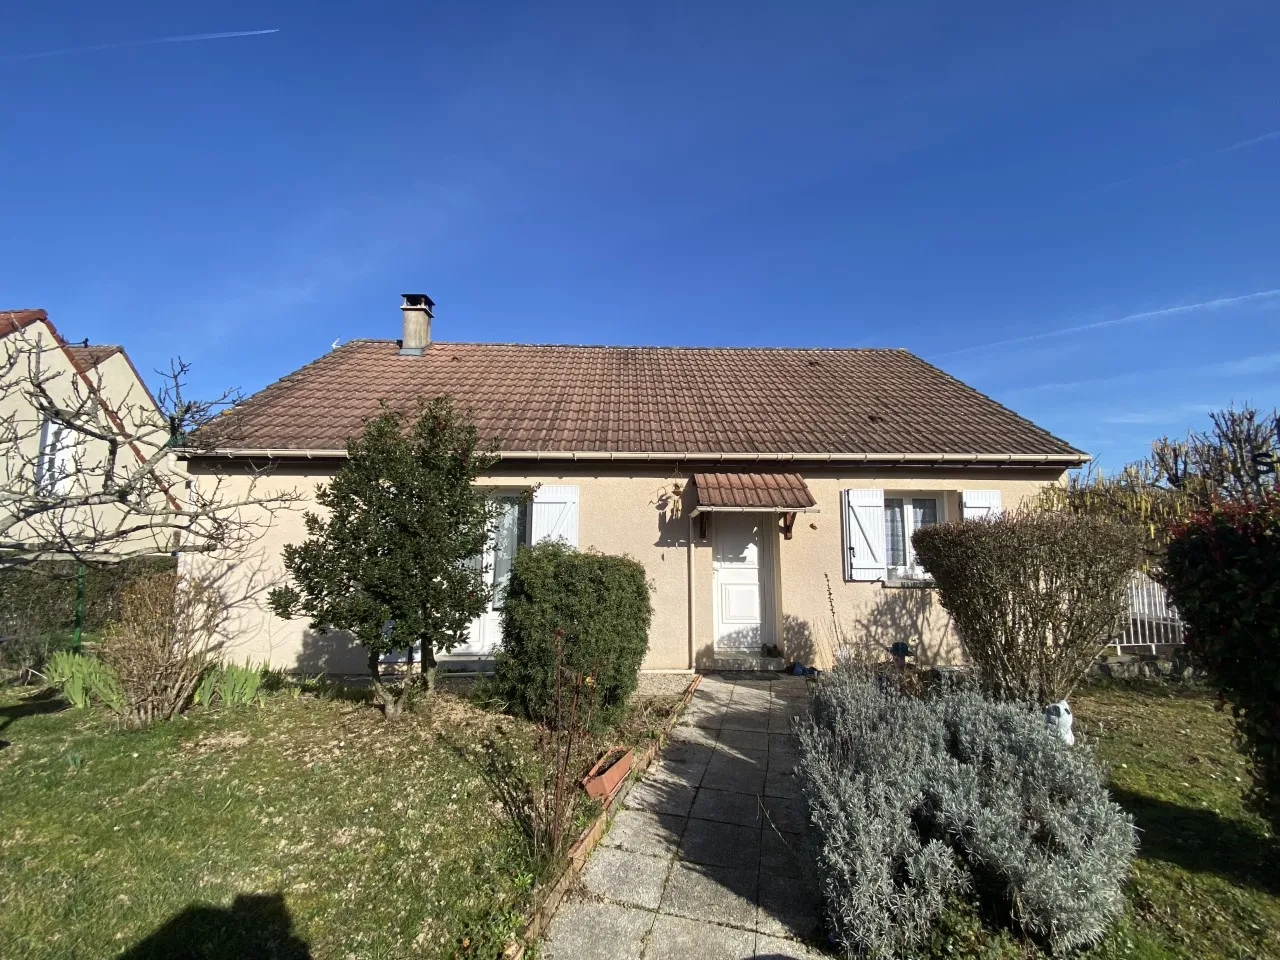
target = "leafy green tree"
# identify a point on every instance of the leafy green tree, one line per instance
(396, 557)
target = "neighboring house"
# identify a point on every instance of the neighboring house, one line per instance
(744, 479)
(46, 458)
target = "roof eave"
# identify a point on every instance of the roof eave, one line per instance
(1064, 460)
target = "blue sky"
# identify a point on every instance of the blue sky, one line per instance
(1073, 207)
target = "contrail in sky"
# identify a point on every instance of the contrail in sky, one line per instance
(1188, 161)
(185, 38)
(1120, 321)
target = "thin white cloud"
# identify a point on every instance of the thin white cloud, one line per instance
(1176, 414)
(185, 38)
(1185, 308)
(1188, 161)
(1245, 366)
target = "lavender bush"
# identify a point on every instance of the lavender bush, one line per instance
(919, 800)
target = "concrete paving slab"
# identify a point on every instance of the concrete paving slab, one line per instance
(780, 785)
(775, 948)
(692, 734)
(583, 930)
(640, 831)
(745, 718)
(677, 938)
(720, 844)
(632, 879)
(786, 855)
(726, 806)
(658, 794)
(786, 814)
(788, 907)
(732, 739)
(718, 894)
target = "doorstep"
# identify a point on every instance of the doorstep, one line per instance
(749, 663)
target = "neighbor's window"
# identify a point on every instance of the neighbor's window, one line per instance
(904, 514)
(55, 464)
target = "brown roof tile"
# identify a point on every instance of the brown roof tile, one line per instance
(89, 355)
(12, 321)
(745, 490)
(646, 400)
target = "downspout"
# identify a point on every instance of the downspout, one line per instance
(692, 616)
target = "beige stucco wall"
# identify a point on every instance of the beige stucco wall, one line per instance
(631, 509)
(33, 354)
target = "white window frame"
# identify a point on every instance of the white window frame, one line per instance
(912, 571)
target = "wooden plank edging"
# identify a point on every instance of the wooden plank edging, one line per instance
(590, 837)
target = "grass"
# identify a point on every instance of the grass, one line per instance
(1206, 883)
(309, 823)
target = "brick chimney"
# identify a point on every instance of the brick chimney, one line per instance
(417, 323)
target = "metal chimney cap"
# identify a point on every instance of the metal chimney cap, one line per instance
(416, 301)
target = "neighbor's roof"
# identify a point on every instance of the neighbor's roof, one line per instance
(614, 402)
(89, 355)
(11, 321)
(750, 490)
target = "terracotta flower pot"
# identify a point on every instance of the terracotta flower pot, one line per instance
(609, 771)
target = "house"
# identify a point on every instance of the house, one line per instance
(55, 464)
(770, 493)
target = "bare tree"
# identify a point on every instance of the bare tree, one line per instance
(90, 471)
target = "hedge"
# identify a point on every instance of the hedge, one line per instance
(1034, 595)
(600, 602)
(1222, 571)
(41, 598)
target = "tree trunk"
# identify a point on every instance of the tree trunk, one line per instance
(429, 666)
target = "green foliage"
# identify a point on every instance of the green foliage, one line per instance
(394, 557)
(84, 680)
(598, 604)
(1223, 573)
(232, 685)
(1034, 594)
(919, 801)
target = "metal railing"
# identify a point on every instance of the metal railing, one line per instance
(1151, 619)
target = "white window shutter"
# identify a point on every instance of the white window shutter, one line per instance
(863, 513)
(555, 514)
(980, 503)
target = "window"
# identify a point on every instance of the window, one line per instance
(903, 516)
(55, 465)
(510, 534)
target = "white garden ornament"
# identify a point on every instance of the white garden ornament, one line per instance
(1058, 717)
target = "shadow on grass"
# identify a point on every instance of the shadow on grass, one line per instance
(1201, 841)
(46, 701)
(255, 925)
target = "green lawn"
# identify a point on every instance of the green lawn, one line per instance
(1207, 880)
(307, 823)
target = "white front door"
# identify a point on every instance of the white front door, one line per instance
(743, 591)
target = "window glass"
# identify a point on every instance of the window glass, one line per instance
(510, 534)
(895, 534)
(924, 513)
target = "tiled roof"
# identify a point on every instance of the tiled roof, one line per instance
(646, 400)
(88, 356)
(12, 321)
(764, 490)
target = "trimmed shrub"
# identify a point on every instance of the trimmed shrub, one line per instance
(1222, 571)
(600, 606)
(1034, 595)
(916, 801)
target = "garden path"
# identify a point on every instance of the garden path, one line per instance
(708, 857)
